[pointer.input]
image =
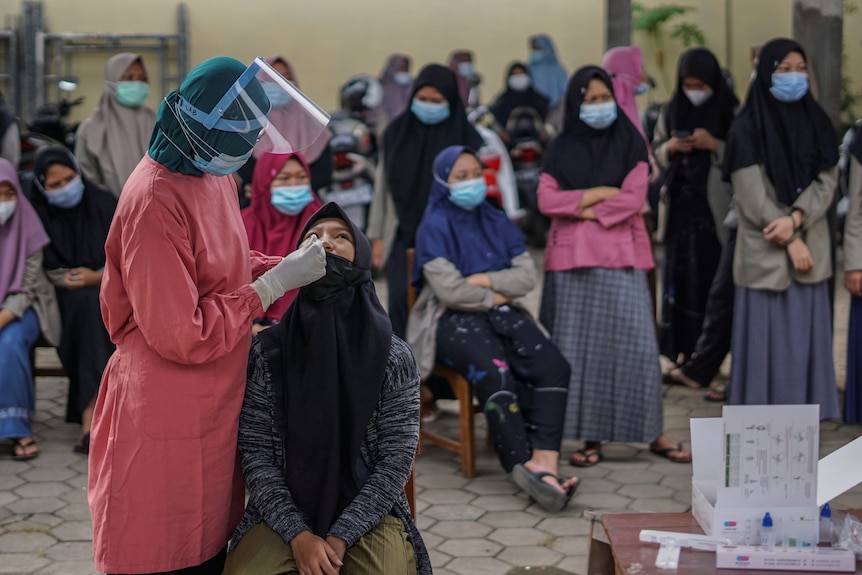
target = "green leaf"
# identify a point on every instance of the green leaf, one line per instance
(689, 34)
(649, 20)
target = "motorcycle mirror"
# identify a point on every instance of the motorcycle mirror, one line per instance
(68, 83)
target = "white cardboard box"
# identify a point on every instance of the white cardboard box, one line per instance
(816, 559)
(758, 459)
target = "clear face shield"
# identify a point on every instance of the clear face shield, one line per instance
(264, 110)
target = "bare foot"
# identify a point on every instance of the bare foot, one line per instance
(678, 376)
(559, 483)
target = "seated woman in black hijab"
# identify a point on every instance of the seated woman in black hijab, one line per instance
(77, 214)
(329, 428)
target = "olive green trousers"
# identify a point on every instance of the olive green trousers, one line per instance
(385, 550)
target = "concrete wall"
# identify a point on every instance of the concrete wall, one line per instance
(329, 40)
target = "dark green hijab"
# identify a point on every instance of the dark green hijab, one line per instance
(203, 88)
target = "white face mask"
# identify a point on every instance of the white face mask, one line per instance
(7, 208)
(519, 82)
(698, 97)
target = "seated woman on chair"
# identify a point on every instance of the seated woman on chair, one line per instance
(329, 427)
(472, 267)
(76, 214)
(27, 307)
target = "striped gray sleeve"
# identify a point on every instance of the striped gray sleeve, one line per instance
(260, 452)
(397, 436)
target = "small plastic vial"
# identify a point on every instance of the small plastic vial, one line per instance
(767, 537)
(826, 524)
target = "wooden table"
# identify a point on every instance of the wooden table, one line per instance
(626, 552)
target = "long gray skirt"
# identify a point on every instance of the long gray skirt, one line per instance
(602, 321)
(782, 348)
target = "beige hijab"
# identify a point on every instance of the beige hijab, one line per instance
(119, 135)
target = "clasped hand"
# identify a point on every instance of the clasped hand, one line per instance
(315, 556)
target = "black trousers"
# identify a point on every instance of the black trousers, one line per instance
(714, 341)
(214, 566)
(519, 377)
(396, 284)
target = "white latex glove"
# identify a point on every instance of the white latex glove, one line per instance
(302, 267)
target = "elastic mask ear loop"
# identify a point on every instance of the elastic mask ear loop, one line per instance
(191, 137)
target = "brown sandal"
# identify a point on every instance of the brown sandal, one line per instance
(24, 449)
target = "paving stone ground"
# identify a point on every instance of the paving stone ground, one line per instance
(473, 527)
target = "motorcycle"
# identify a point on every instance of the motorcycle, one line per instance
(527, 138)
(497, 167)
(354, 148)
(352, 167)
(50, 126)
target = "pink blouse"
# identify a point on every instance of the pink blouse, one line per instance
(618, 239)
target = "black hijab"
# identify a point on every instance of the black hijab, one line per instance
(795, 141)
(78, 233)
(511, 99)
(327, 358)
(715, 115)
(409, 148)
(582, 157)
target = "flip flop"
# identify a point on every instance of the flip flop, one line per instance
(666, 453)
(545, 494)
(83, 446)
(20, 447)
(717, 393)
(588, 455)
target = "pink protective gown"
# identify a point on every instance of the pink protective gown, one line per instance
(165, 485)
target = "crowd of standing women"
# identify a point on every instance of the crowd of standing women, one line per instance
(157, 295)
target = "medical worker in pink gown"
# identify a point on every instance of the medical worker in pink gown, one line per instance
(179, 293)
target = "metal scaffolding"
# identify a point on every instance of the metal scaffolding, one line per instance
(9, 73)
(48, 56)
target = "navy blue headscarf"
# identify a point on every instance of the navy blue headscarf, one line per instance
(476, 241)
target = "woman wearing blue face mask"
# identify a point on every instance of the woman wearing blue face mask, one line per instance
(435, 120)
(471, 270)
(596, 301)
(112, 141)
(781, 159)
(179, 292)
(77, 215)
(282, 202)
(548, 75)
(396, 81)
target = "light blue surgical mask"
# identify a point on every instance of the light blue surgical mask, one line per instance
(468, 194)
(221, 164)
(403, 78)
(536, 56)
(642, 88)
(68, 196)
(290, 200)
(276, 94)
(789, 87)
(132, 94)
(598, 116)
(429, 112)
(465, 69)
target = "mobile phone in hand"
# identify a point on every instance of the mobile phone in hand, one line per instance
(683, 133)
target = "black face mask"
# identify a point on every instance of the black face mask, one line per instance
(338, 278)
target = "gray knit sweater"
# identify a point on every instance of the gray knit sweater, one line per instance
(388, 451)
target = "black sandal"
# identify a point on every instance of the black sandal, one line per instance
(542, 492)
(20, 447)
(83, 446)
(588, 455)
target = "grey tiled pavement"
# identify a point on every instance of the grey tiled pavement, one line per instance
(473, 527)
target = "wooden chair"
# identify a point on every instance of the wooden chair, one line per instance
(43, 371)
(464, 446)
